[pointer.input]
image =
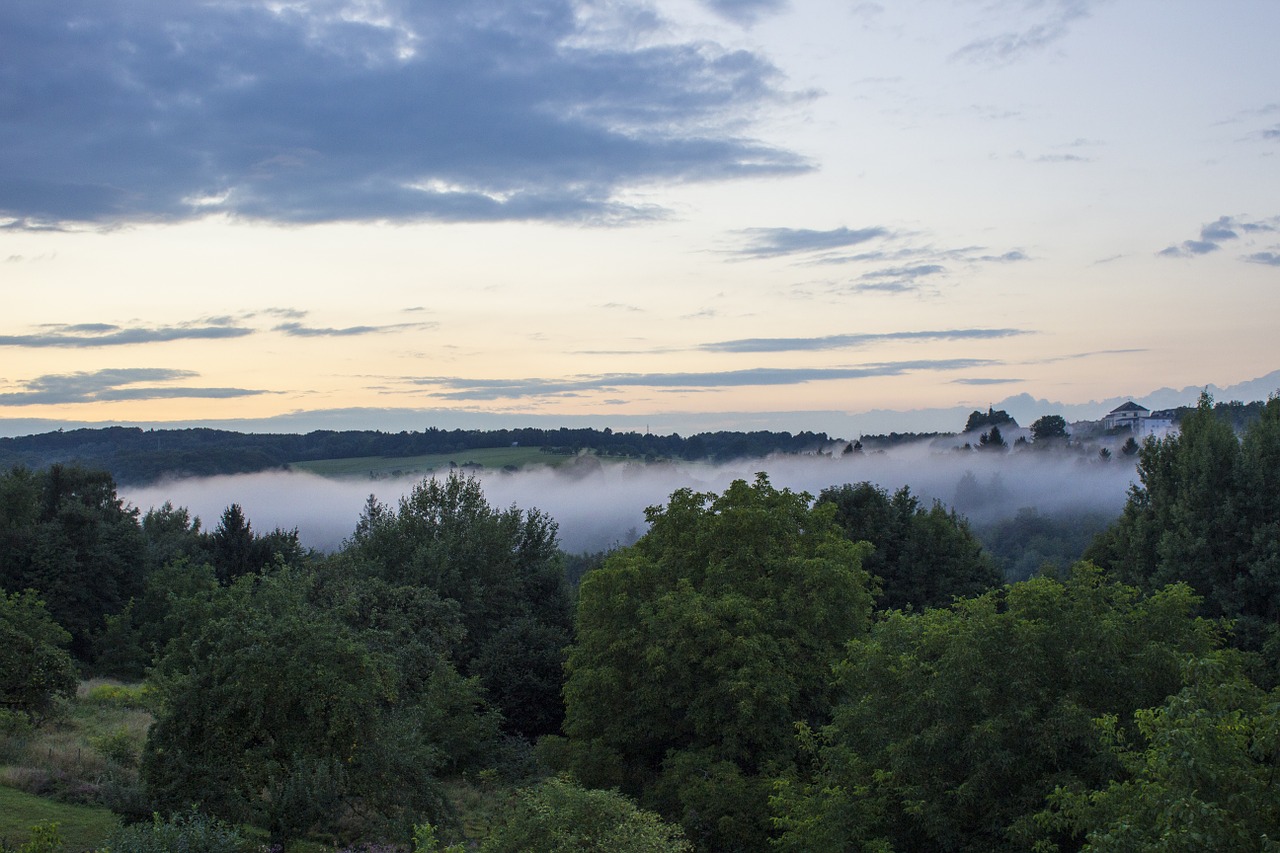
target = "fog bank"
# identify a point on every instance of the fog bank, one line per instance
(601, 504)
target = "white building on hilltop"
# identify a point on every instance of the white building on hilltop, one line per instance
(1141, 420)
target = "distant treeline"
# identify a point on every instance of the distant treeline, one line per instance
(134, 455)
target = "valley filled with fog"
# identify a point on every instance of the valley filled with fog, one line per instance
(600, 504)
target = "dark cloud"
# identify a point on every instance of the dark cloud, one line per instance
(745, 12)
(1036, 26)
(850, 341)
(146, 110)
(1271, 259)
(298, 330)
(105, 335)
(1213, 234)
(777, 242)
(498, 389)
(113, 385)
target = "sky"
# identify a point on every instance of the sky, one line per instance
(728, 214)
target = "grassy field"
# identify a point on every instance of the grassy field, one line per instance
(402, 466)
(45, 772)
(81, 827)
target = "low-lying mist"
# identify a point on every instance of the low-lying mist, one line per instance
(599, 504)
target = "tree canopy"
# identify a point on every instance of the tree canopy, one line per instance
(923, 557)
(699, 647)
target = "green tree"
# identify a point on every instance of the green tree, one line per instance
(557, 816)
(235, 550)
(957, 723)
(1206, 512)
(503, 569)
(291, 705)
(1201, 776)
(699, 647)
(992, 440)
(922, 557)
(993, 418)
(35, 669)
(65, 534)
(1049, 428)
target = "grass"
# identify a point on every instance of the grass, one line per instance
(82, 827)
(60, 771)
(377, 467)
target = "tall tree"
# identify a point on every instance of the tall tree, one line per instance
(922, 557)
(700, 646)
(503, 569)
(65, 533)
(1205, 512)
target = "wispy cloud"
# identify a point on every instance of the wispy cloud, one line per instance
(346, 111)
(779, 242)
(455, 388)
(298, 330)
(1214, 234)
(85, 335)
(114, 384)
(852, 341)
(1026, 28)
(983, 381)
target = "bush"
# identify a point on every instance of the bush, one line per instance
(557, 816)
(191, 832)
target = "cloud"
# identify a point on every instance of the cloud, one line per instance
(778, 242)
(850, 341)
(347, 110)
(1271, 259)
(106, 335)
(1213, 234)
(1030, 28)
(499, 389)
(981, 381)
(745, 12)
(113, 384)
(298, 330)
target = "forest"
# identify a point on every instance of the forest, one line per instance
(134, 455)
(762, 669)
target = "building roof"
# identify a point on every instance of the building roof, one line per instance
(1129, 407)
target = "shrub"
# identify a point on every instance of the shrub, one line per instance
(190, 832)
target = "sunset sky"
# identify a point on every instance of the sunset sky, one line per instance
(723, 214)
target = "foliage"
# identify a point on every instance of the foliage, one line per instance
(957, 723)
(1202, 776)
(992, 440)
(1049, 428)
(557, 816)
(134, 455)
(187, 832)
(922, 557)
(1207, 512)
(699, 646)
(1031, 541)
(992, 418)
(65, 534)
(360, 713)
(235, 550)
(503, 570)
(44, 838)
(35, 669)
